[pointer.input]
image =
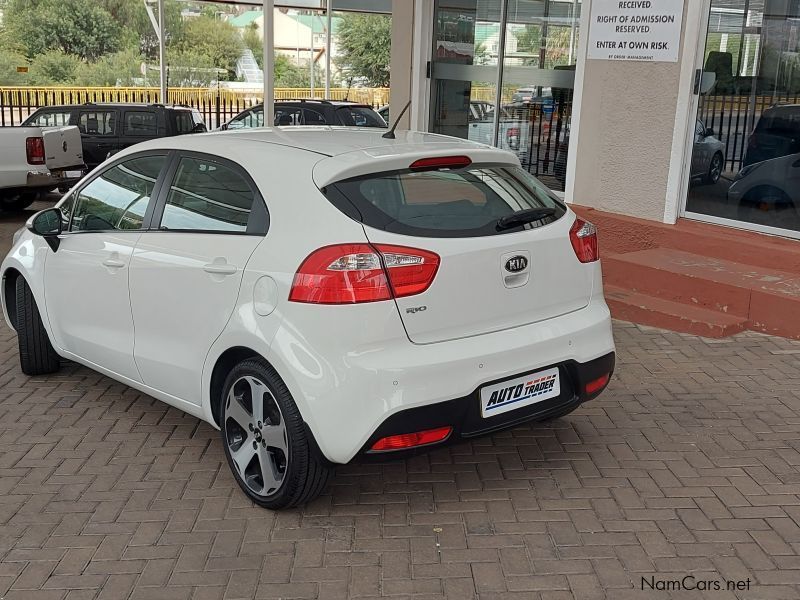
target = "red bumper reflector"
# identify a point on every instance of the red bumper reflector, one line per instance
(595, 385)
(411, 440)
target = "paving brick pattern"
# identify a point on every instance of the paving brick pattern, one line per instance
(688, 465)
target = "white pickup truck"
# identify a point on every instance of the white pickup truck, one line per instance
(36, 160)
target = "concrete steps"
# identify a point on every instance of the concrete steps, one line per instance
(704, 295)
(657, 312)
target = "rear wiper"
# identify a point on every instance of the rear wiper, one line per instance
(523, 217)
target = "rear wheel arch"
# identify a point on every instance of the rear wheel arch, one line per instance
(224, 365)
(10, 277)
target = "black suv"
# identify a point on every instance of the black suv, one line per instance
(108, 128)
(310, 112)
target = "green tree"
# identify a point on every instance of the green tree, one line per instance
(78, 27)
(289, 74)
(218, 41)
(364, 43)
(54, 67)
(9, 61)
(121, 68)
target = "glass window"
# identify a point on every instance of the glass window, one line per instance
(287, 116)
(141, 123)
(748, 169)
(183, 121)
(443, 203)
(207, 196)
(360, 116)
(251, 118)
(118, 198)
(50, 119)
(97, 122)
(314, 117)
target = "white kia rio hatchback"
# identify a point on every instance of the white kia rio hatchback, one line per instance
(318, 294)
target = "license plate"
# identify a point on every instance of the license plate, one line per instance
(517, 393)
(73, 174)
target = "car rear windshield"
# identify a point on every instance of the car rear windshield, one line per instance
(465, 202)
(360, 116)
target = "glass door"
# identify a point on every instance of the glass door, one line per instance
(745, 166)
(503, 74)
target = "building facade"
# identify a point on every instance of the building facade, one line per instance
(658, 109)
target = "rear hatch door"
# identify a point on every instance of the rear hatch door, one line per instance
(489, 278)
(62, 147)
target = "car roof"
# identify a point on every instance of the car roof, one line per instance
(341, 151)
(333, 141)
(117, 105)
(336, 103)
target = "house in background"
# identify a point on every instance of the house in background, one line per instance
(300, 35)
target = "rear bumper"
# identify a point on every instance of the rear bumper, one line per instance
(55, 178)
(463, 414)
(346, 400)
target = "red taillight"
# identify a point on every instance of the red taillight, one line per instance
(354, 273)
(411, 440)
(596, 385)
(583, 236)
(441, 162)
(34, 149)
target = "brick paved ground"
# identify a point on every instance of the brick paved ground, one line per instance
(689, 464)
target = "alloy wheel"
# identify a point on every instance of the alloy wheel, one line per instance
(255, 432)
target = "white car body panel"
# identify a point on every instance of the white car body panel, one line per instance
(87, 301)
(348, 367)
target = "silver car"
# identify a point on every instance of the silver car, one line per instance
(708, 157)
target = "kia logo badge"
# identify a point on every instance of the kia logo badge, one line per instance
(516, 264)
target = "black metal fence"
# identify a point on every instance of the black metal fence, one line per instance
(215, 104)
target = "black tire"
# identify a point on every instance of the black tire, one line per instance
(297, 469)
(714, 169)
(18, 202)
(36, 354)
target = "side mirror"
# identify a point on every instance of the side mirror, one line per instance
(201, 128)
(709, 132)
(49, 224)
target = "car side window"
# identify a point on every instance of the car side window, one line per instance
(140, 122)
(118, 198)
(314, 117)
(288, 116)
(97, 122)
(51, 119)
(207, 196)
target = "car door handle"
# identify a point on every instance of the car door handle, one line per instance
(113, 263)
(220, 268)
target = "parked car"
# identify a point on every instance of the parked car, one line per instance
(776, 134)
(511, 130)
(770, 176)
(108, 128)
(708, 156)
(36, 160)
(533, 95)
(390, 295)
(310, 112)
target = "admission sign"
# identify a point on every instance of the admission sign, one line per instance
(644, 30)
